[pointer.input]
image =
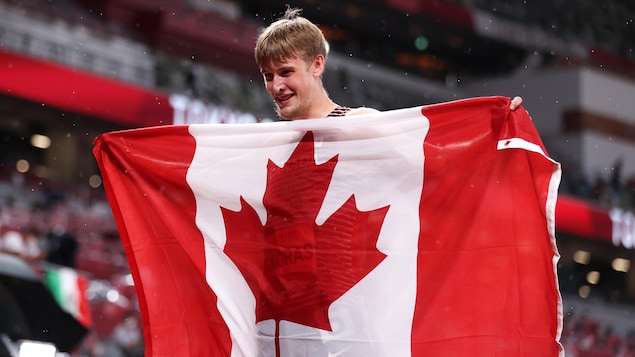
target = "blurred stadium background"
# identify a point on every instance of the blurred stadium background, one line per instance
(72, 69)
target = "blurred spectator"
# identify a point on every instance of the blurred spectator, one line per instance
(617, 186)
(93, 346)
(127, 335)
(62, 248)
(586, 337)
(24, 243)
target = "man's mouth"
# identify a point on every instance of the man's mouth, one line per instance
(283, 99)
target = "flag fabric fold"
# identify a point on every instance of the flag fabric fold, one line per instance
(423, 231)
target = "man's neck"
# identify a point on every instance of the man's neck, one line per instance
(322, 107)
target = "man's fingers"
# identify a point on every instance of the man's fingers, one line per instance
(516, 102)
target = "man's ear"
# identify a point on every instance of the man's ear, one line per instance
(318, 65)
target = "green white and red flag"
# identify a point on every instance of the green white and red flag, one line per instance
(69, 290)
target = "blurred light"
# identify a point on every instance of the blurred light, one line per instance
(112, 295)
(593, 277)
(582, 257)
(36, 349)
(421, 43)
(621, 264)
(22, 166)
(40, 141)
(584, 291)
(127, 280)
(97, 290)
(94, 181)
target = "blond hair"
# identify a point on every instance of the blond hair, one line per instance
(291, 36)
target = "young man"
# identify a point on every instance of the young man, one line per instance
(291, 55)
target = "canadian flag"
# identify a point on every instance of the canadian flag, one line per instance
(425, 231)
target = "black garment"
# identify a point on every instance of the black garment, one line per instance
(62, 249)
(339, 111)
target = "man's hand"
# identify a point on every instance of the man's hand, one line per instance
(516, 102)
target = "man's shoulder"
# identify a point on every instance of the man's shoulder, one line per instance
(362, 110)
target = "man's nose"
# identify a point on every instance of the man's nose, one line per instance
(278, 83)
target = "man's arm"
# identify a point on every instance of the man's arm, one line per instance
(516, 102)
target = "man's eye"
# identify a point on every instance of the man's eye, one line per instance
(268, 76)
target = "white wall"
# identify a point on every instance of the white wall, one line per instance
(607, 94)
(547, 94)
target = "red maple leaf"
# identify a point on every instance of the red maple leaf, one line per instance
(295, 267)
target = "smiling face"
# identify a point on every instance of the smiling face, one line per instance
(291, 54)
(296, 87)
